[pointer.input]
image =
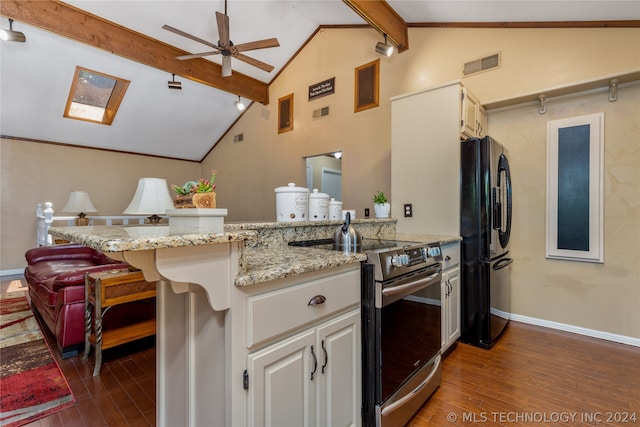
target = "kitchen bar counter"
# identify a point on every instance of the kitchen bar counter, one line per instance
(115, 238)
(200, 275)
(261, 260)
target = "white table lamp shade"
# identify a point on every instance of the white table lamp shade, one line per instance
(79, 202)
(152, 198)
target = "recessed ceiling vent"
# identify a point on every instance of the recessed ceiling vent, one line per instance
(482, 64)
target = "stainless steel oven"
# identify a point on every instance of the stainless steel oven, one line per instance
(401, 305)
(401, 327)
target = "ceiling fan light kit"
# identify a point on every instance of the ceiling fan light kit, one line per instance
(226, 48)
(12, 36)
(384, 48)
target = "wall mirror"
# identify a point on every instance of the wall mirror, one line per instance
(324, 172)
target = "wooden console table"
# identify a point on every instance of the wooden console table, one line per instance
(105, 290)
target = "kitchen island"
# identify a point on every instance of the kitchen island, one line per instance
(211, 288)
(198, 274)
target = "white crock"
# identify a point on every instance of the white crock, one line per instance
(318, 206)
(292, 203)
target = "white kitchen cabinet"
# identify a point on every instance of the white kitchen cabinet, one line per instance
(474, 116)
(425, 159)
(312, 378)
(450, 295)
(303, 361)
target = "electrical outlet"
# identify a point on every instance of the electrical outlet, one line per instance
(366, 212)
(408, 210)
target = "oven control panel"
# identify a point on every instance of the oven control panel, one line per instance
(409, 256)
(403, 260)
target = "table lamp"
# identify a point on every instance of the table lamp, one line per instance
(151, 198)
(79, 203)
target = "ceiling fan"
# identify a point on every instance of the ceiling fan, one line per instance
(226, 48)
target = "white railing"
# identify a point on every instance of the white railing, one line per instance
(45, 220)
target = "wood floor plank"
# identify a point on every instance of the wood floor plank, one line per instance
(532, 371)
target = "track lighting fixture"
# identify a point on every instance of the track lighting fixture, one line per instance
(239, 105)
(384, 48)
(173, 84)
(12, 36)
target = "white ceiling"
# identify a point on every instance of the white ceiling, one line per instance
(35, 76)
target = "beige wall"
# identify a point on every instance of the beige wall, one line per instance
(601, 297)
(532, 60)
(604, 297)
(35, 173)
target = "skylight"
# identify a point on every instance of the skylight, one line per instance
(94, 96)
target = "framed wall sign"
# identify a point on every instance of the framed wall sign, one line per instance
(367, 86)
(285, 113)
(324, 88)
(575, 182)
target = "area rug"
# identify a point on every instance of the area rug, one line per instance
(32, 385)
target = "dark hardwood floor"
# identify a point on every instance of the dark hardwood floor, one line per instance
(533, 377)
(122, 395)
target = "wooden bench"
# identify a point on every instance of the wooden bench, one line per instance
(105, 290)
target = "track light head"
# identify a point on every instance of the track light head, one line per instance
(173, 84)
(384, 48)
(12, 36)
(239, 104)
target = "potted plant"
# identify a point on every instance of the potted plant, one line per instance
(380, 205)
(196, 194)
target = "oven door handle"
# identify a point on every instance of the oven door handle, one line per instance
(395, 405)
(408, 286)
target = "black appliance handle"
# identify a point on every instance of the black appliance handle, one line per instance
(502, 263)
(503, 165)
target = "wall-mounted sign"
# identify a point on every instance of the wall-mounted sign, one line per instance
(321, 89)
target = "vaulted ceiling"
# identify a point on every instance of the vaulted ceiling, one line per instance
(126, 39)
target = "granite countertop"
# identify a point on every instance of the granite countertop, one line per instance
(265, 264)
(120, 238)
(425, 238)
(260, 263)
(269, 263)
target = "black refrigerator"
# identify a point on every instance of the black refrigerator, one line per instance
(485, 227)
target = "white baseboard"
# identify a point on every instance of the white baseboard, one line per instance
(14, 272)
(577, 330)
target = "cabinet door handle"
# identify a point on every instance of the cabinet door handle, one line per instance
(317, 300)
(315, 363)
(326, 357)
(447, 258)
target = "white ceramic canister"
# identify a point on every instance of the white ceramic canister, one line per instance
(292, 203)
(318, 206)
(335, 209)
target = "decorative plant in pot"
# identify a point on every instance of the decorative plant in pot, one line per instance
(196, 194)
(380, 205)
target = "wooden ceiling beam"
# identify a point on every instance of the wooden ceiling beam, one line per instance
(383, 18)
(68, 21)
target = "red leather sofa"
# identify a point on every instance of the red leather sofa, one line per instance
(55, 276)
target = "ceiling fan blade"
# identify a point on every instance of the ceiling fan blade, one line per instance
(258, 44)
(226, 66)
(198, 55)
(223, 29)
(262, 65)
(189, 36)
